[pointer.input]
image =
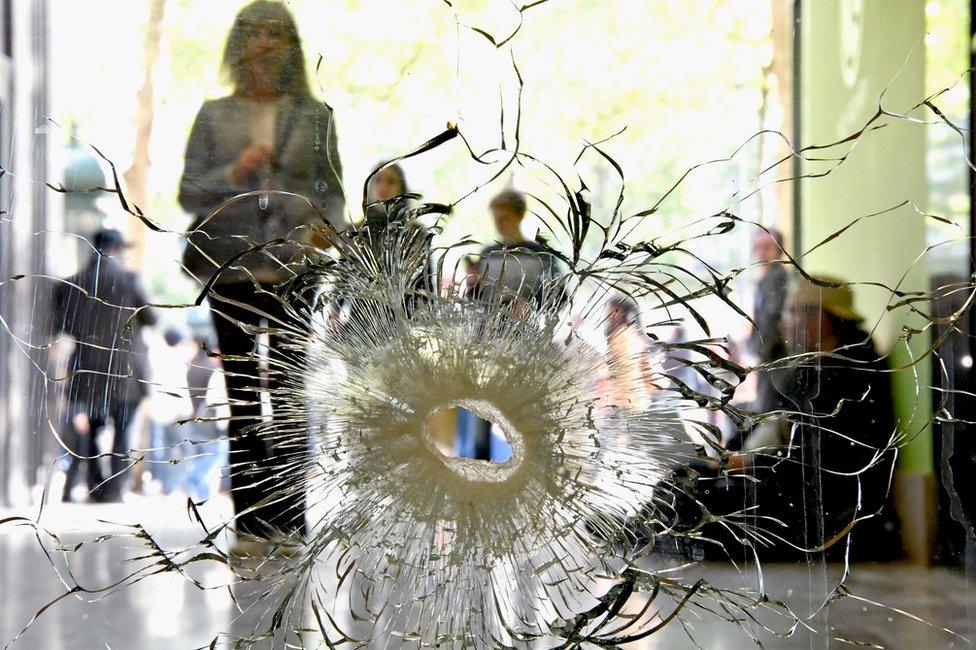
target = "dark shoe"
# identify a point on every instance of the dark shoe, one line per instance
(104, 496)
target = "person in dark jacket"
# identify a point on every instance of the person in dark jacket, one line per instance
(770, 294)
(103, 308)
(824, 469)
(765, 342)
(262, 166)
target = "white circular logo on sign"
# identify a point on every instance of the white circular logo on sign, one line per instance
(851, 38)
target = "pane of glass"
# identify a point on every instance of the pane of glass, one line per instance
(469, 323)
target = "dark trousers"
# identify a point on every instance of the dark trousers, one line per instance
(266, 482)
(85, 445)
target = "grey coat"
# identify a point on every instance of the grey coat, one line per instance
(99, 308)
(306, 162)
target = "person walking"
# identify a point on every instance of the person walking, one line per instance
(103, 308)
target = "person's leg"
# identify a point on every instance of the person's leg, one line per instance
(120, 462)
(90, 450)
(158, 453)
(288, 450)
(482, 438)
(176, 450)
(464, 444)
(473, 436)
(248, 453)
(199, 477)
(203, 454)
(74, 440)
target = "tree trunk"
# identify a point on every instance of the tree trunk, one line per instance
(137, 175)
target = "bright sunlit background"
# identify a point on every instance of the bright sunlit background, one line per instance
(686, 82)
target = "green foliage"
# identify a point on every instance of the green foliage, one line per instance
(946, 65)
(683, 78)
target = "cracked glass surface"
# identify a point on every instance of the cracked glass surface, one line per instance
(660, 462)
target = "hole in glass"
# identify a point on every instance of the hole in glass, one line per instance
(475, 440)
(457, 432)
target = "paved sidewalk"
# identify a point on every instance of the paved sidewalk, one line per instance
(166, 611)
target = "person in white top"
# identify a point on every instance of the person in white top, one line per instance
(169, 405)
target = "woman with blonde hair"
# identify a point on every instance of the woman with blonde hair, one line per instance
(262, 172)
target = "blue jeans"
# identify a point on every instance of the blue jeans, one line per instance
(202, 458)
(473, 436)
(166, 454)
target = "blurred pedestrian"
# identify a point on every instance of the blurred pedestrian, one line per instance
(630, 382)
(103, 308)
(270, 134)
(203, 364)
(833, 455)
(516, 268)
(169, 406)
(386, 184)
(207, 448)
(514, 271)
(390, 203)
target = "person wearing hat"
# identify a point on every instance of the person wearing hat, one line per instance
(821, 316)
(103, 308)
(826, 460)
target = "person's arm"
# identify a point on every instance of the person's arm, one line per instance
(58, 312)
(558, 278)
(205, 183)
(331, 200)
(647, 371)
(329, 170)
(318, 177)
(552, 284)
(480, 288)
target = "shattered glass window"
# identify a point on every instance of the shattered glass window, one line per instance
(471, 323)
